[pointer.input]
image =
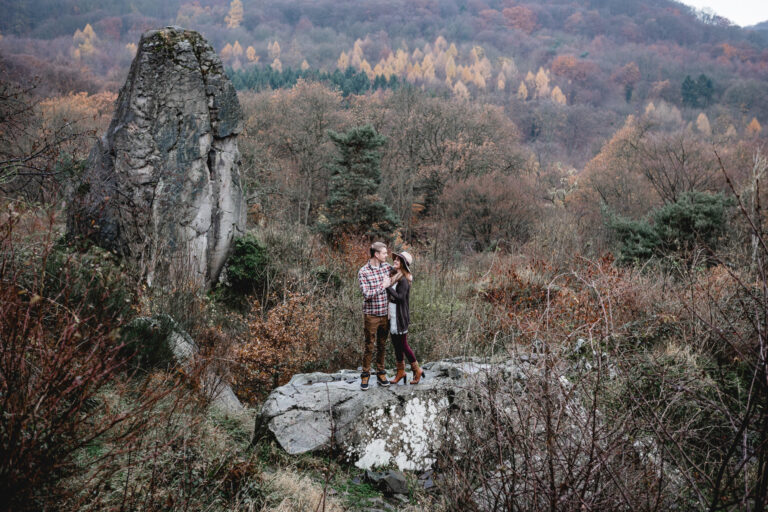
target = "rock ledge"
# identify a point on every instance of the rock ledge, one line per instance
(398, 426)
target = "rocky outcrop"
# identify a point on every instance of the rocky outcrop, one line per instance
(401, 426)
(162, 187)
(183, 350)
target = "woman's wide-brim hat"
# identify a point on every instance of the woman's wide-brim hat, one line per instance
(406, 259)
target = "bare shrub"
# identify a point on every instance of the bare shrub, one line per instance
(488, 210)
(58, 353)
(543, 443)
(544, 434)
(184, 457)
(40, 148)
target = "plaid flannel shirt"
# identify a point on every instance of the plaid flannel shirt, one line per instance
(375, 297)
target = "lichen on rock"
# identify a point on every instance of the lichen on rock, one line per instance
(162, 186)
(402, 426)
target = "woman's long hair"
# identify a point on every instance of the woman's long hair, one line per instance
(401, 273)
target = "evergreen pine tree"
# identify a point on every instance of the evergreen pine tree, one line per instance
(696, 219)
(689, 92)
(353, 206)
(704, 90)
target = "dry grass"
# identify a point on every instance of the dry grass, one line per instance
(293, 492)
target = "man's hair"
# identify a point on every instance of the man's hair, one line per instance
(377, 247)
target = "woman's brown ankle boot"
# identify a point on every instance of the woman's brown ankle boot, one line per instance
(418, 373)
(400, 373)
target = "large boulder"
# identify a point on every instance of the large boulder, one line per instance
(162, 186)
(402, 426)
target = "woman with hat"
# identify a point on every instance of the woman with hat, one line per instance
(399, 316)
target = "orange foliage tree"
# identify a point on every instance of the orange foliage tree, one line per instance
(280, 344)
(627, 76)
(573, 68)
(521, 18)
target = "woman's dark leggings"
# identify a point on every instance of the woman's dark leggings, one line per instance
(400, 341)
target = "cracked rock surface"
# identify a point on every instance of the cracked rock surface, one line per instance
(162, 186)
(399, 425)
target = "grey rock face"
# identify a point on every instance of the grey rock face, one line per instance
(184, 349)
(162, 187)
(401, 425)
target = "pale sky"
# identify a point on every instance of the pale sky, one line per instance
(741, 12)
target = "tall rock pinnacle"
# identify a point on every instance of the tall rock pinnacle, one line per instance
(162, 187)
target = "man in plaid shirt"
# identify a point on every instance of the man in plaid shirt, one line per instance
(374, 279)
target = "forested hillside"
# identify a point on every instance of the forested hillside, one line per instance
(566, 72)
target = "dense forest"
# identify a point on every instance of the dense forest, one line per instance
(582, 66)
(580, 180)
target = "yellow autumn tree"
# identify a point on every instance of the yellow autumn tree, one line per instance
(428, 68)
(439, 60)
(530, 79)
(89, 33)
(131, 47)
(343, 62)
(466, 74)
(355, 60)
(702, 124)
(84, 41)
(614, 176)
(250, 54)
(450, 68)
(522, 91)
(401, 61)
(366, 68)
(235, 16)
(483, 67)
(441, 44)
(274, 50)
(476, 53)
(414, 72)
(277, 65)
(237, 50)
(501, 82)
(558, 96)
(304, 65)
(226, 53)
(357, 48)
(452, 51)
(478, 80)
(754, 128)
(461, 91)
(542, 83)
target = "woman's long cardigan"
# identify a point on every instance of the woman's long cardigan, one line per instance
(400, 296)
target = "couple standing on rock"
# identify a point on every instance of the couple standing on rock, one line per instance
(386, 289)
